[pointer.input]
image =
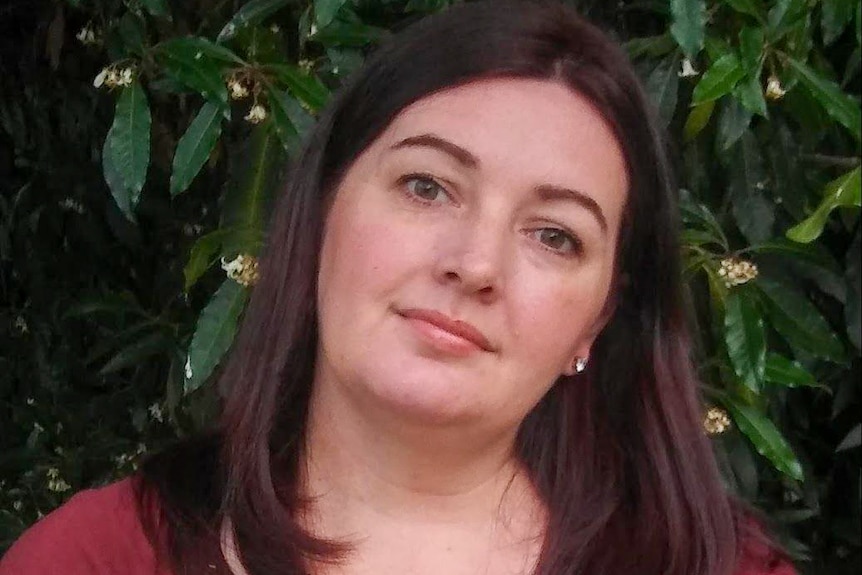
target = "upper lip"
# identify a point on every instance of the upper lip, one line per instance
(457, 327)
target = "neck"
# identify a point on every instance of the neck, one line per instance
(361, 463)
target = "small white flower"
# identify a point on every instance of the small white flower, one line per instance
(72, 205)
(238, 90)
(256, 114)
(156, 412)
(100, 78)
(274, 29)
(37, 427)
(125, 77)
(31, 401)
(87, 36)
(774, 91)
(188, 367)
(199, 55)
(243, 269)
(17, 505)
(21, 324)
(687, 70)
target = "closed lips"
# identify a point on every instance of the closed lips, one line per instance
(456, 327)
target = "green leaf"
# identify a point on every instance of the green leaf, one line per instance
(840, 106)
(204, 253)
(751, 42)
(303, 86)
(292, 122)
(189, 48)
(765, 437)
(695, 214)
(131, 32)
(136, 352)
(653, 46)
(753, 211)
(325, 11)
(254, 179)
(689, 21)
(697, 120)
(349, 34)
(719, 79)
(750, 95)
(745, 337)
(783, 371)
(852, 439)
(798, 321)
(750, 7)
(837, 14)
(111, 171)
(812, 254)
(844, 191)
(251, 13)
(214, 333)
(784, 15)
(732, 123)
(195, 147)
(193, 67)
(158, 8)
(126, 154)
(662, 87)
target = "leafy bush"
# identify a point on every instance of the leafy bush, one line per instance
(148, 137)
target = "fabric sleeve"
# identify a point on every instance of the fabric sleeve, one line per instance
(96, 532)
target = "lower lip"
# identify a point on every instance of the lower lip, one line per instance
(441, 340)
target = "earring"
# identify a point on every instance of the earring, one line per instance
(580, 364)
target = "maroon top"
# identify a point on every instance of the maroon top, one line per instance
(97, 532)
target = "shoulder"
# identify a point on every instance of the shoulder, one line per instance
(758, 556)
(96, 532)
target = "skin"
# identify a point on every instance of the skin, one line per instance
(460, 207)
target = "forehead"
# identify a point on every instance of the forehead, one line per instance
(523, 132)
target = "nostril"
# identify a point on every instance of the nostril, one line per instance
(452, 276)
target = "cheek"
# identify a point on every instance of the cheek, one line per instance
(554, 318)
(361, 256)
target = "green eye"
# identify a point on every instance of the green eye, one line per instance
(424, 188)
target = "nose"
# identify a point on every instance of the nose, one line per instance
(473, 258)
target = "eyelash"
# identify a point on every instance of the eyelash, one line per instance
(404, 184)
(577, 246)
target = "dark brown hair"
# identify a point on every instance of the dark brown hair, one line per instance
(619, 458)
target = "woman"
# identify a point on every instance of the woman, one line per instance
(467, 352)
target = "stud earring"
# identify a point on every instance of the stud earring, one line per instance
(580, 364)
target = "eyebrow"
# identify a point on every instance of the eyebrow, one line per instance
(549, 192)
(461, 155)
(546, 192)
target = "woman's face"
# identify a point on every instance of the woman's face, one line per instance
(468, 254)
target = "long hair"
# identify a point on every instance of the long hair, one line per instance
(619, 457)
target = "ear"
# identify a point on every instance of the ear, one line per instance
(582, 350)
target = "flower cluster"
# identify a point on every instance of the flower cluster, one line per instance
(716, 421)
(237, 89)
(774, 91)
(737, 272)
(87, 36)
(55, 482)
(256, 114)
(71, 205)
(242, 269)
(156, 412)
(114, 77)
(130, 458)
(687, 70)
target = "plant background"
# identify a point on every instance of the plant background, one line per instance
(118, 203)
